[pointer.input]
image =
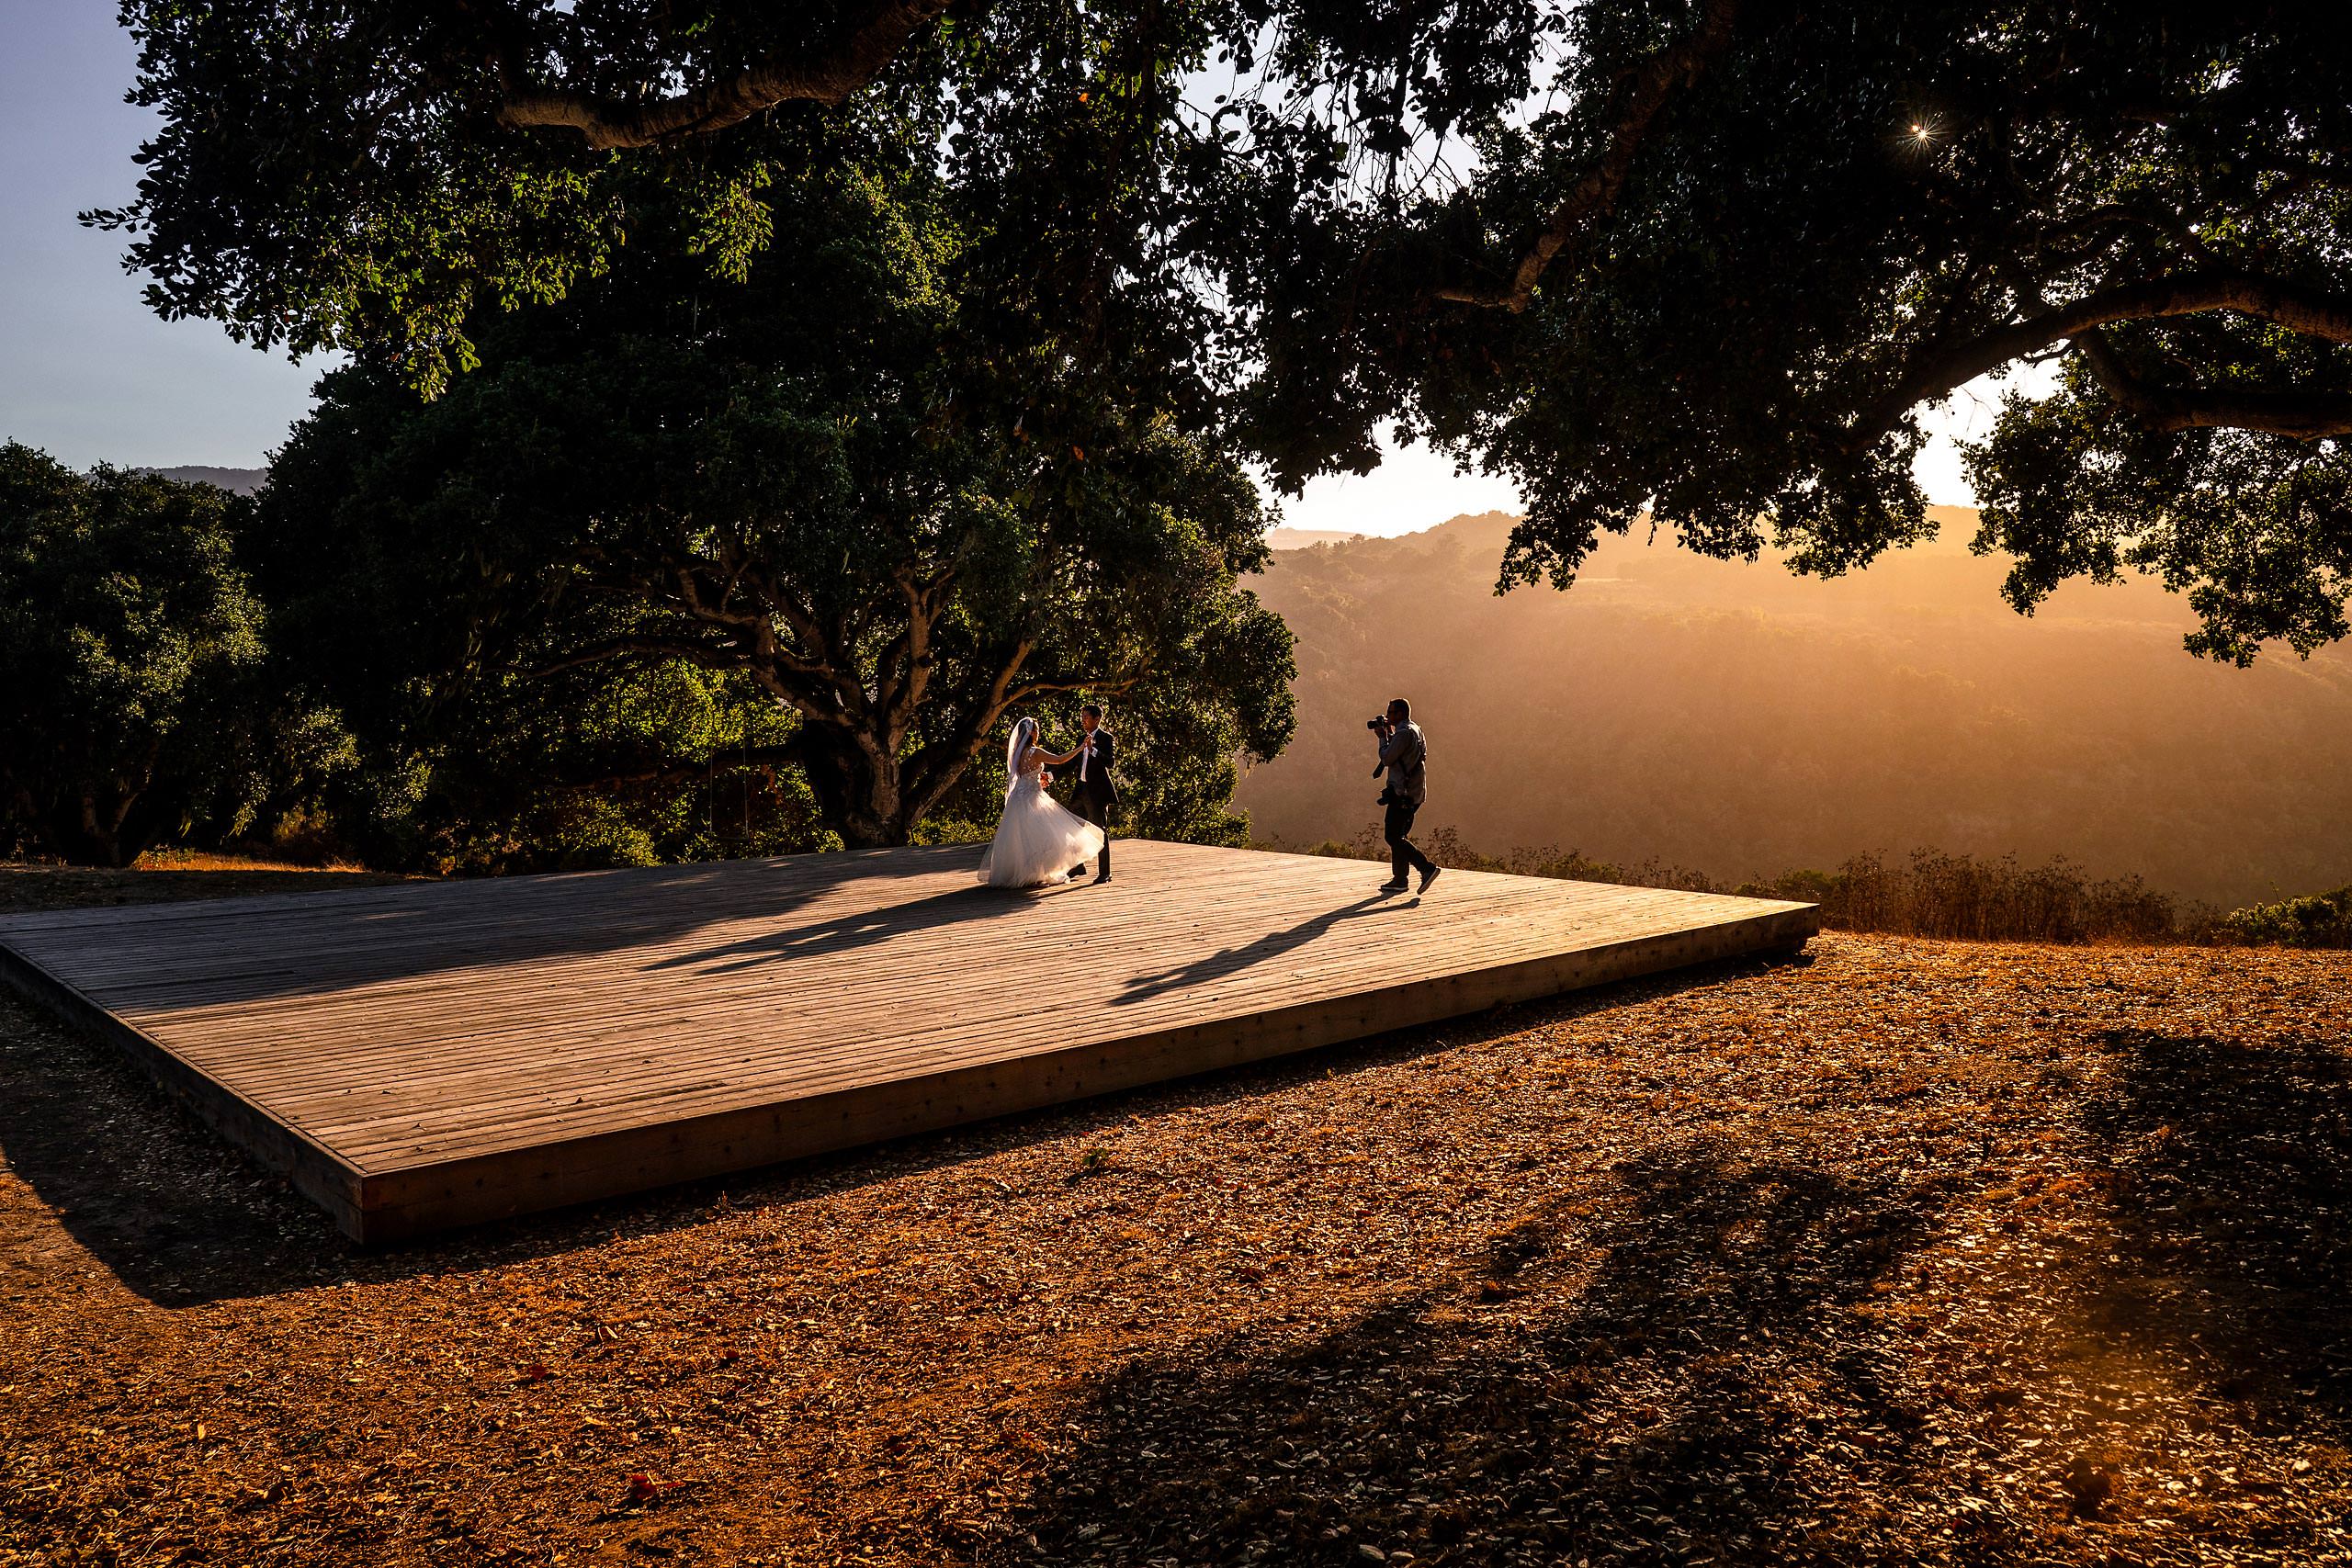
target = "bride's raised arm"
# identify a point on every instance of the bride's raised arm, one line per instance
(1051, 761)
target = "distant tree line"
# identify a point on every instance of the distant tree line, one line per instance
(135, 695)
(152, 694)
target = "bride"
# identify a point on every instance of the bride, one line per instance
(1036, 840)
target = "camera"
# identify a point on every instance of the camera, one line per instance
(1379, 723)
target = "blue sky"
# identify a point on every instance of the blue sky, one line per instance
(88, 374)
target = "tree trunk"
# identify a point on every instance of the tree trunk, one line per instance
(857, 796)
(88, 830)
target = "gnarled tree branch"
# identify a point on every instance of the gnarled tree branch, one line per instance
(1653, 86)
(2312, 313)
(827, 78)
(708, 655)
(2305, 416)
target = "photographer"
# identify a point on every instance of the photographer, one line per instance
(1404, 757)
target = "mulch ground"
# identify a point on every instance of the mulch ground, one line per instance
(1906, 1252)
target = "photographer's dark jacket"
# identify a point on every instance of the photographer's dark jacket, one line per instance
(1406, 756)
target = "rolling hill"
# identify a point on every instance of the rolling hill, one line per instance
(1306, 538)
(244, 481)
(1730, 717)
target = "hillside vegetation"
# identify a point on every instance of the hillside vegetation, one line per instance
(1736, 720)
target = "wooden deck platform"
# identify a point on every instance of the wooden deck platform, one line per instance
(428, 1054)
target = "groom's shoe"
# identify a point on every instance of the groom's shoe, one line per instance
(1076, 871)
(1426, 877)
(1104, 876)
(1395, 884)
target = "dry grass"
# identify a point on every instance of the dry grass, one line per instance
(1913, 1251)
(212, 860)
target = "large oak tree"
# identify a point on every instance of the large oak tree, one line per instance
(1708, 262)
(1702, 260)
(901, 516)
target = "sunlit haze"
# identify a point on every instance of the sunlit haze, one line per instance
(1415, 489)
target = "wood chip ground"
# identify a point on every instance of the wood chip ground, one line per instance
(1907, 1252)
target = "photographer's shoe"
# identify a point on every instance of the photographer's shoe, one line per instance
(1426, 877)
(1399, 885)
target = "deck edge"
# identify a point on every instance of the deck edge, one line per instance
(317, 1173)
(400, 1204)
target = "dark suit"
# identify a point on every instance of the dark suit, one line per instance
(1096, 792)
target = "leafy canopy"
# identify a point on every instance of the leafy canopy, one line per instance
(1704, 260)
(1708, 262)
(897, 516)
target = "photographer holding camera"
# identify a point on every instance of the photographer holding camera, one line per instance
(1404, 757)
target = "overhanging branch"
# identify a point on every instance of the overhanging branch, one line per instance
(2312, 312)
(2305, 416)
(826, 77)
(1653, 86)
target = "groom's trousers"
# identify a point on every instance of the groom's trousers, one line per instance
(1095, 812)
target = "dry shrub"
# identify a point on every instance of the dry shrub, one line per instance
(2002, 900)
(1936, 895)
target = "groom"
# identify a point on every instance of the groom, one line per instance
(1095, 793)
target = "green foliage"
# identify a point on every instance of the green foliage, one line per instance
(951, 830)
(895, 517)
(286, 125)
(1741, 246)
(411, 616)
(2323, 919)
(2256, 529)
(371, 178)
(1838, 217)
(133, 662)
(598, 768)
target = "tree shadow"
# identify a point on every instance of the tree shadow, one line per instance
(1638, 1387)
(1272, 944)
(183, 1218)
(25, 887)
(860, 928)
(251, 949)
(2232, 1200)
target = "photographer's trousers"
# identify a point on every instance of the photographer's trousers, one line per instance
(1402, 854)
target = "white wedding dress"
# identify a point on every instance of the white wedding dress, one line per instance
(1038, 840)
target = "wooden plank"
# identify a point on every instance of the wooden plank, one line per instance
(430, 1198)
(438, 1052)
